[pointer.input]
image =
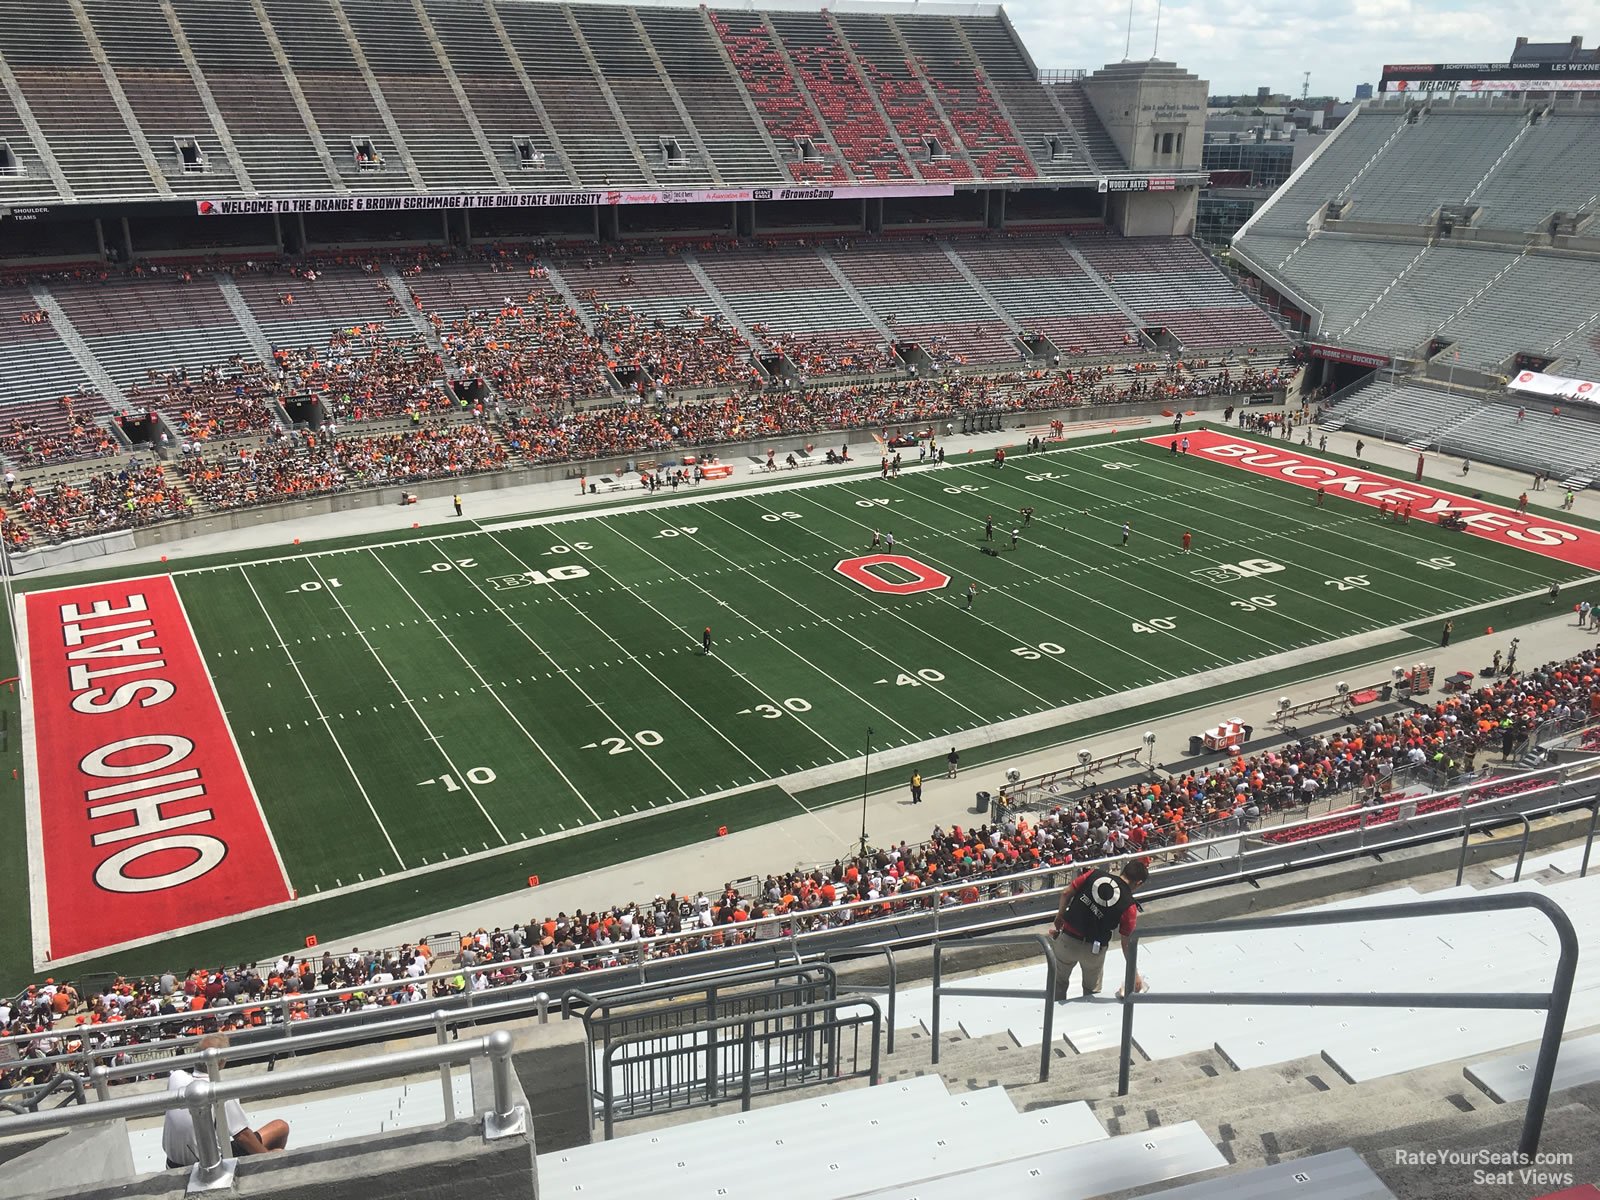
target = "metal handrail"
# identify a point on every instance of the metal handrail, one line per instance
(38, 1093)
(1470, 828)
(940, 989)
(747, 1024)
(926, 900)
(1555, 1002)
(507, 1119)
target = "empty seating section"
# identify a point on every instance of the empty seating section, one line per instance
(68, 428)
(1534, 307)
(69, 98)
(37, 365)
(1326, 173)
(1442, 283)
(963, 91)
(776, 95)
(660, 287)
(841, 96)
(337, 95)
(1044, 288)
(136, 326)
(1074, 102)
(554, 61)
(1171, 283)
(454, 289)
(1405, 412)
(31, 183)
(493, 88)
(710, 93)
(1035, 119)
(1553, 168)
(419, 96)
(909, 107)
(1565, 446)
(1343, 275)
(256, 103)
(1438, 161)
(306, 308)
(924, 299)
(160, 91)
(788, 298)
(648, 109)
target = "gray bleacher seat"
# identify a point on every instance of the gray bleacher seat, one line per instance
(1552, 168)
(1439, 160)
(1327, 172)
(1076, 1173)
(1510, 1077)
(1405, 412)
(1335, 1175)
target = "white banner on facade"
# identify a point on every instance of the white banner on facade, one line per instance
(1556, 387)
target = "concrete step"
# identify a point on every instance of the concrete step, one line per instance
(1402, 1162)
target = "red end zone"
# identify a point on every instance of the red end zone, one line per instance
(140, 813)
(1530, 531)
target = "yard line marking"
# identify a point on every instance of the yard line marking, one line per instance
(883, 607)
(322, 718)
(466, 783)
(1191, 581)
(821, 619)
(1456, 549)
(567, 676)
(762, 691)
(1044, 612)
(673, 692)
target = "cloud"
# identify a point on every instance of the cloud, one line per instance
(1239, 45)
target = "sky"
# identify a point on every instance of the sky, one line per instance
(1240, 45)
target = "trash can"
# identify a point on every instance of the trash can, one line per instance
(983, 802)
(1248, 730)
(1386, 692)
(591, 489)
(1197, 744)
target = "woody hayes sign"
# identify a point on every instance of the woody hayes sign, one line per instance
(1535, 532)
(139, 809)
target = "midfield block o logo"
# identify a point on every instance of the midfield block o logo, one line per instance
(869, 572)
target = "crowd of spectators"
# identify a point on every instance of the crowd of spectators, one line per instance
(816, 355)
(537, 353)
(129, 497)
(364, 374)
(1445, 738)
(212, 403)
(703, 352)
(305, 463)
(31, 442)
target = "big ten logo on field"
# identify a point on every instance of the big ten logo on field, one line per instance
(892, 574)
(504, 583)
(1250, 568)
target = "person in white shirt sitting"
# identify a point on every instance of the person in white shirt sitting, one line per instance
(177, 1131)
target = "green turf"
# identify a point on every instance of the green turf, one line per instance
(422, 703)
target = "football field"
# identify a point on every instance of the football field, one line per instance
(399, 707)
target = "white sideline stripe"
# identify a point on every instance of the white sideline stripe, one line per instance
(233, 740)
(322, 717)
(466, 784)
(33, 814)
